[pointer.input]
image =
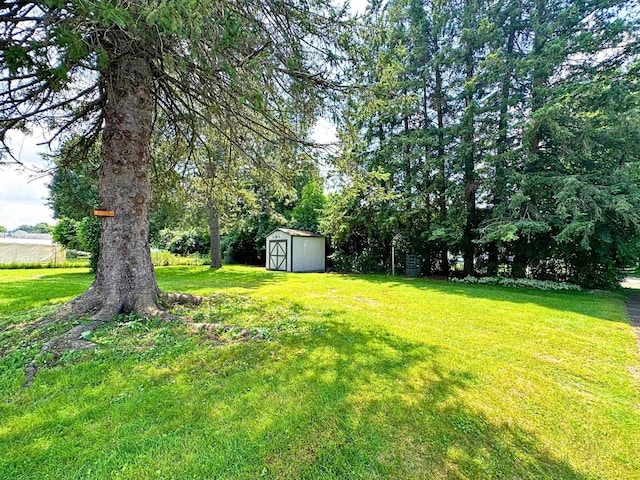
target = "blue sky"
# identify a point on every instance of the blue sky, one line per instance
(23, 192)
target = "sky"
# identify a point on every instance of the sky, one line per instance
(23, 192)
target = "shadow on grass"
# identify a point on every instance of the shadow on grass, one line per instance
(333, 403)
(232, 276)
(581, 302)
(50, 288)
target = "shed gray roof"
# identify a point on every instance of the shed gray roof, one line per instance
(297, 233)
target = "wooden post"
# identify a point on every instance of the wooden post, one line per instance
(393, 257)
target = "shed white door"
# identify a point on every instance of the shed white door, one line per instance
(278, 255)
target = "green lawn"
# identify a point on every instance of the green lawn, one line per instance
(354, 377)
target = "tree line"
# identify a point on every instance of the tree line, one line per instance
(503, 134)
(506, 132)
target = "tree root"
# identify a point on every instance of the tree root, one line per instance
(96, 307)
(72, 339)
(100, 309)
(181, 299)
(89, 302)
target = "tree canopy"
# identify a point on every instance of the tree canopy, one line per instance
(506, 132)
(226, 64)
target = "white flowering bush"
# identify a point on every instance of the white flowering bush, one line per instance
(518, 282)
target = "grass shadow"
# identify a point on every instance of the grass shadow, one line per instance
(335, 402)
(196, 279)
(44, 288)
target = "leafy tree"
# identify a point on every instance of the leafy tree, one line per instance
(185, 242)
(268, 203)
(66, 233)
(89, 229)
(103, 68)
(218, 183)
(73, 189)
(360, 226)
(305, 215)
(3, 229)
(245, 242)
(563, 218)
(41, 227)
(83, 234)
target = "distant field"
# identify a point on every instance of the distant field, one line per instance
(349, 377)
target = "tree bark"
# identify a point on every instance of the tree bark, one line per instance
(125, 281)
(442, 174)
(213, 219)
(468, 153)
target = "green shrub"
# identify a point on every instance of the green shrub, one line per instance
(184, 242)
(89, 229)
(66, 233)
(69, 263)
(79, 235)
(365, 262)
(163, 258)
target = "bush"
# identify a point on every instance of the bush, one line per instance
(79, 235)
(66, 233)
(163, 258)
(184, 242)
(89, 229)
(365, 262)
(73, 263)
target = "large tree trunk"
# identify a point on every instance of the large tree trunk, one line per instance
(125, 281)
(468, 153)
(213, 219)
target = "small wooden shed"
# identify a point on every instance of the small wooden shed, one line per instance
(290, 250)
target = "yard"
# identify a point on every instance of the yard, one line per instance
(345, 376)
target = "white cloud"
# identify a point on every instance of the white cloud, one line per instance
(23, 190)
(324, 132)
(356, 6)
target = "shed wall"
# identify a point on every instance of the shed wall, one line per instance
(308, 254)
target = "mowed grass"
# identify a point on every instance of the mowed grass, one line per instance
(352, 377)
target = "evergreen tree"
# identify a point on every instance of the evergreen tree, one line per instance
(494, 122)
